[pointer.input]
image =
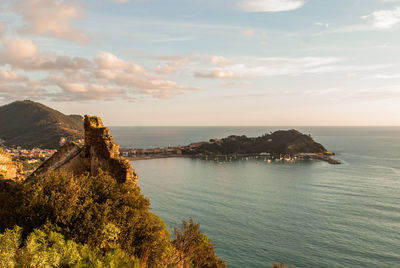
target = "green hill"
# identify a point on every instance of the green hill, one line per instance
(282, 142)
(31, 124)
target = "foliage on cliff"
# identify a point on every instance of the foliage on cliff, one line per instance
(44, 248)
(195, 247)
(30, 124)
(98, 218)
(279, 142)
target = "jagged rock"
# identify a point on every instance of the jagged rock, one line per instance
(9, 169)
(99, 152)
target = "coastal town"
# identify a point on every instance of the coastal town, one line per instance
(19, 153)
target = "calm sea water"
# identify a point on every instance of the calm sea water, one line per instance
(309, 214)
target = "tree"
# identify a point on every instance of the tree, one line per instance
(195, 248)
(50, 249)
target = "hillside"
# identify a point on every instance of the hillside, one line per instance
(278, 143)
(30, 124)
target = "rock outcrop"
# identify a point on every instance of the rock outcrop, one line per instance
(9, 169)
(99, 152)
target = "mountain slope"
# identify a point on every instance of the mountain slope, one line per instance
(31, 124)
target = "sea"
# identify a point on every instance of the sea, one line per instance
(307, 213)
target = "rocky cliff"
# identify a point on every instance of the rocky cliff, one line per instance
(8, 168)
(99, 152)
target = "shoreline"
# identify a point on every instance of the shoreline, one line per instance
(300, 156)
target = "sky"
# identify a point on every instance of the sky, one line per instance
(206, 62)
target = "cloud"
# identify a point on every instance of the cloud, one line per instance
(51, 17)
(285, 66)
(384, 19)
(105, 77)
(216, 73)
(15, 86)
(238, 84)
(247, 32)
(24, 54)
(254, 67)
(274, 66)
(322, 24)
(16, 49)
(171, 64)
(270, 5)
(7, 76)
(121, 1)
(220, 60)
(88, 91)
(108, 61)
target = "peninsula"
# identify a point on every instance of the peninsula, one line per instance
(280, 145)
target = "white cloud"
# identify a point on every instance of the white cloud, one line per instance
(171, 64)
(16, 49)
(108, 61)
(216, 73)
(106, 77)
(220, 60)
(88, 91)
(15, 86)
(7, 76)
(384, 19)
(249, 68)
(270, 5)
(121, 1)
(24, 54)
(51, 17)
(322, 24)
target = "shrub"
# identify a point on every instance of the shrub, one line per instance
(110, 222)
(50, 249)
(195, 247)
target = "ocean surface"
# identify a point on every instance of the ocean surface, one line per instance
(308, 214)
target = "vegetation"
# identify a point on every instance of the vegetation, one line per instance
(50, 249)
(279, 142)
(196, 249)
(30, 124)
(75, 221)
(29, 167)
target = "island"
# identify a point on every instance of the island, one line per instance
(282, 145)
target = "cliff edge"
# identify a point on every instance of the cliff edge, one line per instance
(99, 152)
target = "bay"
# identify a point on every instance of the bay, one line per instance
(308, 214)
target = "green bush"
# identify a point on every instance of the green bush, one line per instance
(80, 206)
(50, 249)
(195, 247)
(110, 222)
